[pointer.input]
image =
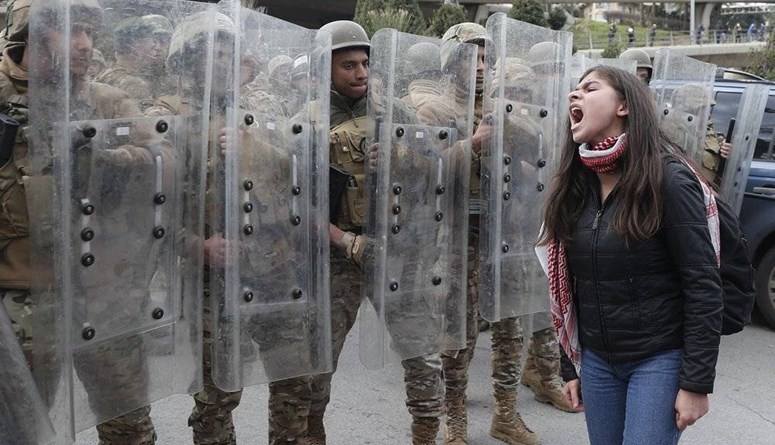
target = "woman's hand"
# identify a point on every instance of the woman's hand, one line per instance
(572, 392)
(689, 407)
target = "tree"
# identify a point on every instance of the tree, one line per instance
(764, 60)
(612, 51)
(530, 11)
(557, 18)
(403, 15)
(444, 17)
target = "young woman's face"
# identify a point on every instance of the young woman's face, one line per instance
(595, 110)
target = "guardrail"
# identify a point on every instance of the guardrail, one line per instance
(588, 41)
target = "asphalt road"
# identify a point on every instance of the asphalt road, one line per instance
(367, 407)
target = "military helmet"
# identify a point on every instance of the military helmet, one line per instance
(422, 57)
(190, 31)
(18, 12)
(692, 98)
(545, 56)
(461, 33)
(278, 62)
(346, 34)
(300, 67)
(640, 57)
(158, 23)
(516, 74)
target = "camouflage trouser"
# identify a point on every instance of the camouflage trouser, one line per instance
(211, 417)
(507, 341)
(115, 363)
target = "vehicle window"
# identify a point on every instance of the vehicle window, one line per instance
(726, 108)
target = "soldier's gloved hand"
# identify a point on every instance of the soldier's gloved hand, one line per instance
(481, 137)
(227, 140)
(373, 154)
(726, 147)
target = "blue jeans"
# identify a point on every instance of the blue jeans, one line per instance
(631, 403)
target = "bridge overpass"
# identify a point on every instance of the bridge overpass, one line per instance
(728, 55)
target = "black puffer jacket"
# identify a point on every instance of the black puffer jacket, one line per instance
(660, 294)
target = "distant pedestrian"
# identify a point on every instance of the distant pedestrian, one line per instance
(611, 34)
(630, 37)
(700, 34)
(738, 32)
(652, 34)
(762, 31)
(751, 31)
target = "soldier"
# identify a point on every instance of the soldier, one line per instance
(141, 45)
(211, 418)
(423, 68)
(97, 65)
(644, 68)
(87, 99)
(349, 78)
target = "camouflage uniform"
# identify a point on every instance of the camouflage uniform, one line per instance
(711, 155)
(15, 274)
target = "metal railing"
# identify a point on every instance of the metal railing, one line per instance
(586, 40)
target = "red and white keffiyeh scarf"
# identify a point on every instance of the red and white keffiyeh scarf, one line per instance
(604, 156)
(561, 300)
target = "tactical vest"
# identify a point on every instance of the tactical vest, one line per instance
(347, 142)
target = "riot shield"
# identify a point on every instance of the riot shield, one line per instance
(115, 202)
(269, 202)
(415, 282)
(519, 160)
(683, 88)
(750, 112)
(581, 63)
(23, 415)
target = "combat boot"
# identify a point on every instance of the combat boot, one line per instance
(507, 424)
(424, 430)
(546, 385)
(456, 432)
(316, 432)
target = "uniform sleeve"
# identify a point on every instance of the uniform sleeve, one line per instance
(686, 228)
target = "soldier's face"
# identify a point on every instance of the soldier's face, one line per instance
(81, 46)
(643, 74)
(151, 49)
(350, 72)
(481, 66)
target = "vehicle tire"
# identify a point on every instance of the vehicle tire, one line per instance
(765, 287)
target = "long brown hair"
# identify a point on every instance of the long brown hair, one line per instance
(638, 215)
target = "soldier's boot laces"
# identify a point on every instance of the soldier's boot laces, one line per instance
(316, 432)
(507, 424)
(547, 388)
(456, 431)
(424, 430)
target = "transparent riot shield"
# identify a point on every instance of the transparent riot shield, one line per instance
(23, 415)
(581, 63)
(115, 201)
(750, 112)
(683, 88)
(414, 289)
(269, 203)
(527, 95)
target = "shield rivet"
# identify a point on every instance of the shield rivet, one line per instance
(87, 259)
(540, 187)
(249, 119)
(396, 209)
(666, 112)
(297, 293)
(296, 190)
(394, 286)
(297, 128)
(543, 113)
(506, 196)
(88, 209)
(158, 232)
(89, 131)
(248, 229)
(158, 313)
(443, 134)
(160, 198)
(436, 281)
(397, 189)
(541, 163)
(440, 189)
(248, 296)
(439, 216)
(396, 228)
(248, 185)
(690, 118)
(507, 178)
(162, 126)
(505, 248)
(509, 108)
(399, 131)
(87, 234)
(88, 334)
(247, 207)
(296, 220)
(507, 160)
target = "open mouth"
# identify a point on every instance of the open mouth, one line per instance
(576, 116)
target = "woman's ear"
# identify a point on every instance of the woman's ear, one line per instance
(622, 110)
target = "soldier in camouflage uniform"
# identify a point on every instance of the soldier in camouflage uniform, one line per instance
(141, 47)
(97, 65)
(103, 102)
(347, 144)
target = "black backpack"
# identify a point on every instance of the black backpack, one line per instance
(737, 273)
